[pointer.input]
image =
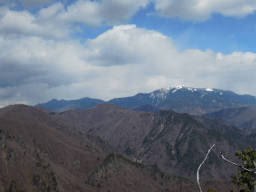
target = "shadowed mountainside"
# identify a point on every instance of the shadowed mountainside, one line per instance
(36, 156)
(175, 143)
(40, 152)
(242, 117)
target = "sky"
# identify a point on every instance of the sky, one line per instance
(114, 48)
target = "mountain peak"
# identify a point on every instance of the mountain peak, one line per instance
(209, 89)
(161, 93)
(191, 89)
(179, 86)
(180, 98)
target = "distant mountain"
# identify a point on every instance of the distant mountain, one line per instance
(173, 142)
(187, 100)
(195, 101)
(64, 105)
(242, 117)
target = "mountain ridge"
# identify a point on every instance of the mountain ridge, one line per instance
(41, 153)
(68, 148)
(146, 136)
(241, 117)
(63, 105)
(196, 101)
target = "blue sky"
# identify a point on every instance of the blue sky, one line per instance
(219, 33)
(113, 48)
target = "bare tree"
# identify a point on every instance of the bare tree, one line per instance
(226, 160)
(236, 164)
(198, 169)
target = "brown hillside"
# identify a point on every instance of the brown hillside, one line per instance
(40, 152)
(175, 143)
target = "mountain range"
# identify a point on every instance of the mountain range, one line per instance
(127, 144)
(241, 117)
(173, 142)
(181, 99)
(108, 148)
(39, 152)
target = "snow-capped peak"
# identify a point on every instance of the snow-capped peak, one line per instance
(209, 89)
(179, 86)
(162, 93)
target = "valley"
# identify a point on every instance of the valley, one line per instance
(108, 147)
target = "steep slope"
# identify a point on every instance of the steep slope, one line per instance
(38, 157)
(242, 117)
(111, 123)
(175, 143)
(133, 176)
(40, 153)
(63, 105)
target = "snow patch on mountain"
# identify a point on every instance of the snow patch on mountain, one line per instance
(160, 94)
(209, 89)
(180, 86)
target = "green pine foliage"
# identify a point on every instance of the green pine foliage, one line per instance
(245, 180)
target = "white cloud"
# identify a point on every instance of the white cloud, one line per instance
(23, 23)
(120, 62)
(126, 45)
(29, 4)
(112, 12)
(102, 12)
(51, 12)
(153, 60)
(116, 11)
(56, 21)
(201, 10)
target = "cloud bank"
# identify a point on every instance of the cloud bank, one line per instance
(109, 12)
(119, 62)
(201, 10)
